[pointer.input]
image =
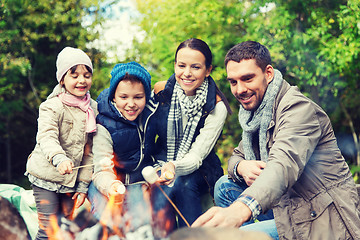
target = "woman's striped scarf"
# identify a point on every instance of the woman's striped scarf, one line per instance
(179, 140)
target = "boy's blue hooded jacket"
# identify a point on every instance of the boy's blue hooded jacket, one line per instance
(132, 147)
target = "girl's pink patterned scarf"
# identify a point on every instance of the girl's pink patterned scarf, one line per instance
(83, 104)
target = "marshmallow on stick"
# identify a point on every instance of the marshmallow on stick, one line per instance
(149, 174)
(121, 189)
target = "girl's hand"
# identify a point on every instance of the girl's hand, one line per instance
(65, 167)
(79, 199)
(167, 174)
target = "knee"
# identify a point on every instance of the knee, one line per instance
(221, 181)
(218, 189)
(219, 184)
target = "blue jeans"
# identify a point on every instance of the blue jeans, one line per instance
(227, 191)
(139, 208)
(187, 193)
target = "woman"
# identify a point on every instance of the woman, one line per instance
(190, 118)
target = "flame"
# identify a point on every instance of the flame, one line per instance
(138, 216)
(53, 230)
(111, 217)
(164, 222)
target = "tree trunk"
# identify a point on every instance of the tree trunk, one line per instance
(8, 151)
(355, 137)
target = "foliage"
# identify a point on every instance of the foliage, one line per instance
(31, 35)
(315, 44)
(167, 23)
(318, 51)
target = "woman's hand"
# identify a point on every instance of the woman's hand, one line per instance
(167, 174)
(65, 167)
(79, 199)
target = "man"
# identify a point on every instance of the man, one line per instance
(288, 158)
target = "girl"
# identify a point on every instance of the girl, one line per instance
(190, 118)
(66, 124)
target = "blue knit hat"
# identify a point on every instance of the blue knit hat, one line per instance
(134, 69)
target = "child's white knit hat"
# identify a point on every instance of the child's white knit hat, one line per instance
(68, 58)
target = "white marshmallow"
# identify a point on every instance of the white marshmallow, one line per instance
(150, 174)
(121, 189)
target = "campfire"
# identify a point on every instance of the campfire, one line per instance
(132, 218)
(141, 223)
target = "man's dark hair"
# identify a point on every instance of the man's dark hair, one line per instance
(249, 50)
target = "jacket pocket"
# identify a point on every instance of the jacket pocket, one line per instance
(305, 211)
(66, 132)
(317, 219)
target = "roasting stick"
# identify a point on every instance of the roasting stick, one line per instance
(105, 162)
(82, 166)
(173, 204)
(151, 176)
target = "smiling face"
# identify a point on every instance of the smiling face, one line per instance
(248, 82)
(77, 81)
(130, 98)
(190, 70)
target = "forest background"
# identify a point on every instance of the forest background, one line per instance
(315, 44)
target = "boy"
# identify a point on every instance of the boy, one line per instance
(126, 137)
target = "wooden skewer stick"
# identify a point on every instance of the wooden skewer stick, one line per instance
(150, 175)
(173, 204)
(106, 162)
(82, 166)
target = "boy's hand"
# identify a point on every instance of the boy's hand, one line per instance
(167, 174)
(79, 199)
(65, 167)
(117, 190)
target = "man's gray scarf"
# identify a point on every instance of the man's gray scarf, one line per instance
(179, 141)
(251, 122)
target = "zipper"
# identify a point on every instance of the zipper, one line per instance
(143, 140)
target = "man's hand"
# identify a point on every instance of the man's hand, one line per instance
(233, 216)
(65, 167)
(79, 199)
(250, 170)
